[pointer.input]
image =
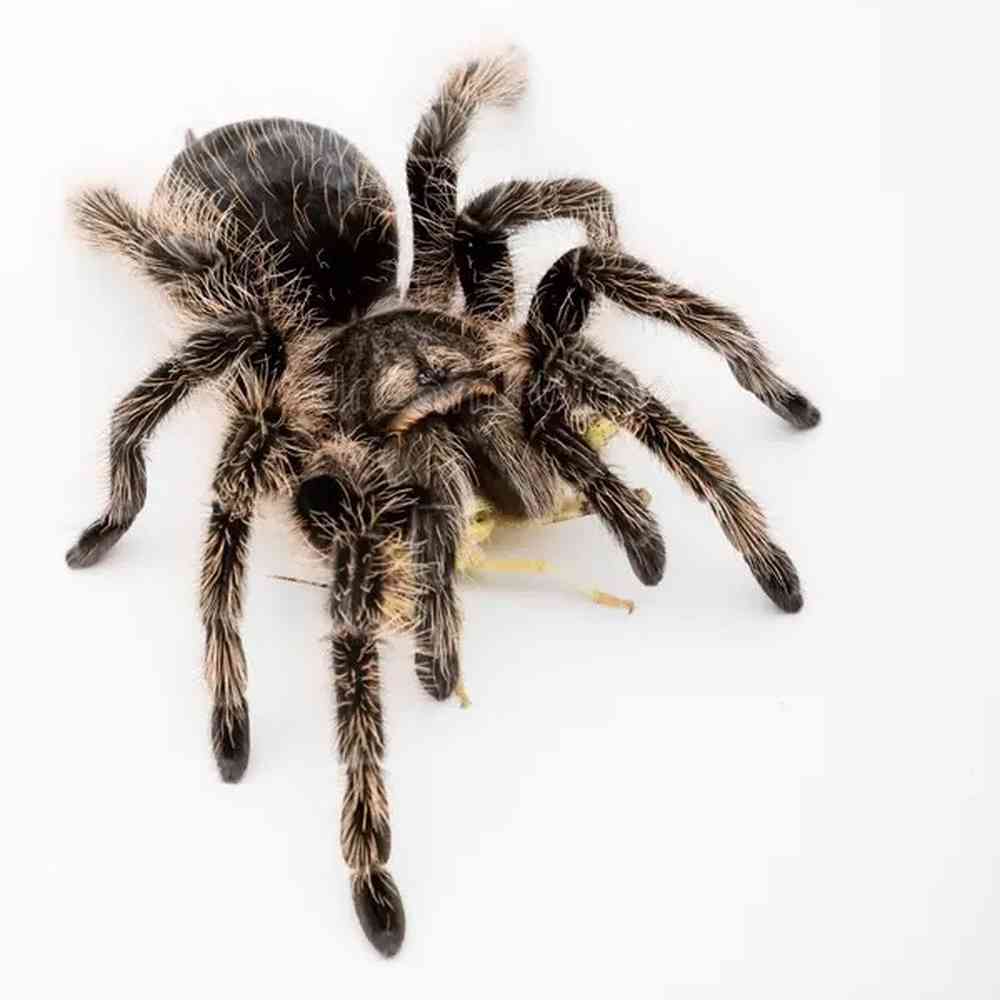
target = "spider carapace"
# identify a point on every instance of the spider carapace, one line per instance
(391, 420)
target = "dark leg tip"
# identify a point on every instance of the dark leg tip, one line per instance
(437, 680)
(231, 743)
(80, 557)
(380, 910)
(788, 599)
(94, 542)
(801, 412)
(648, 557)
(780, 581)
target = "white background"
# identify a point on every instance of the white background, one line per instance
(707, 798)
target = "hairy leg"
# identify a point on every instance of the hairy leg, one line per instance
(437, 530)
(365, 837)
(481, 246)
(110, 222)
(432, 167)
(354, 516)
(596, 381)
(587, 271)
(707, 475)
(222, 572)
(257, 459)
(549, 427)
(206, 354)
(571, 374)
(434, 459)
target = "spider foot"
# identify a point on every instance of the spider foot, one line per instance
(231, 742)
(800, 412)
(780, 581)
(95, 540)
(648, 557)
(437, 675)
(380, 910)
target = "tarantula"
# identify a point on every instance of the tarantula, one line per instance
(384, 418)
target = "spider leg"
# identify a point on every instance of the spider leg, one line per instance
(435, 458)
(437, 531)
(110, 222)
(257, 460)
(482, 251)
(554, 320)
(222, 572)
(708, 476)
(481, 248)
(364, 834)
(549, 423)
(351, 514)
(206, 354)
(578, 376)
(432, 167)
(635, 286)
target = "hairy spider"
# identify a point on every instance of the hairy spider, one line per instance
(388, 420)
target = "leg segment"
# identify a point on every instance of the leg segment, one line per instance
(109, 221)
(435, 459)
(222, 572)
(635, 286)
(364, 832)
(437, 532)
(206, 354)
(132, 423)
(481, 233)
(432, 168)
(406, 527)
(579, 376)
(257, 459)
(596, 381)
(708, 476)
(353, 516)
(549, 427)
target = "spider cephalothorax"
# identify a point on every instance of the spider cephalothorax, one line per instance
(390, 423)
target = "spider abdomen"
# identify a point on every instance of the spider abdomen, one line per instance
(307, 194)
